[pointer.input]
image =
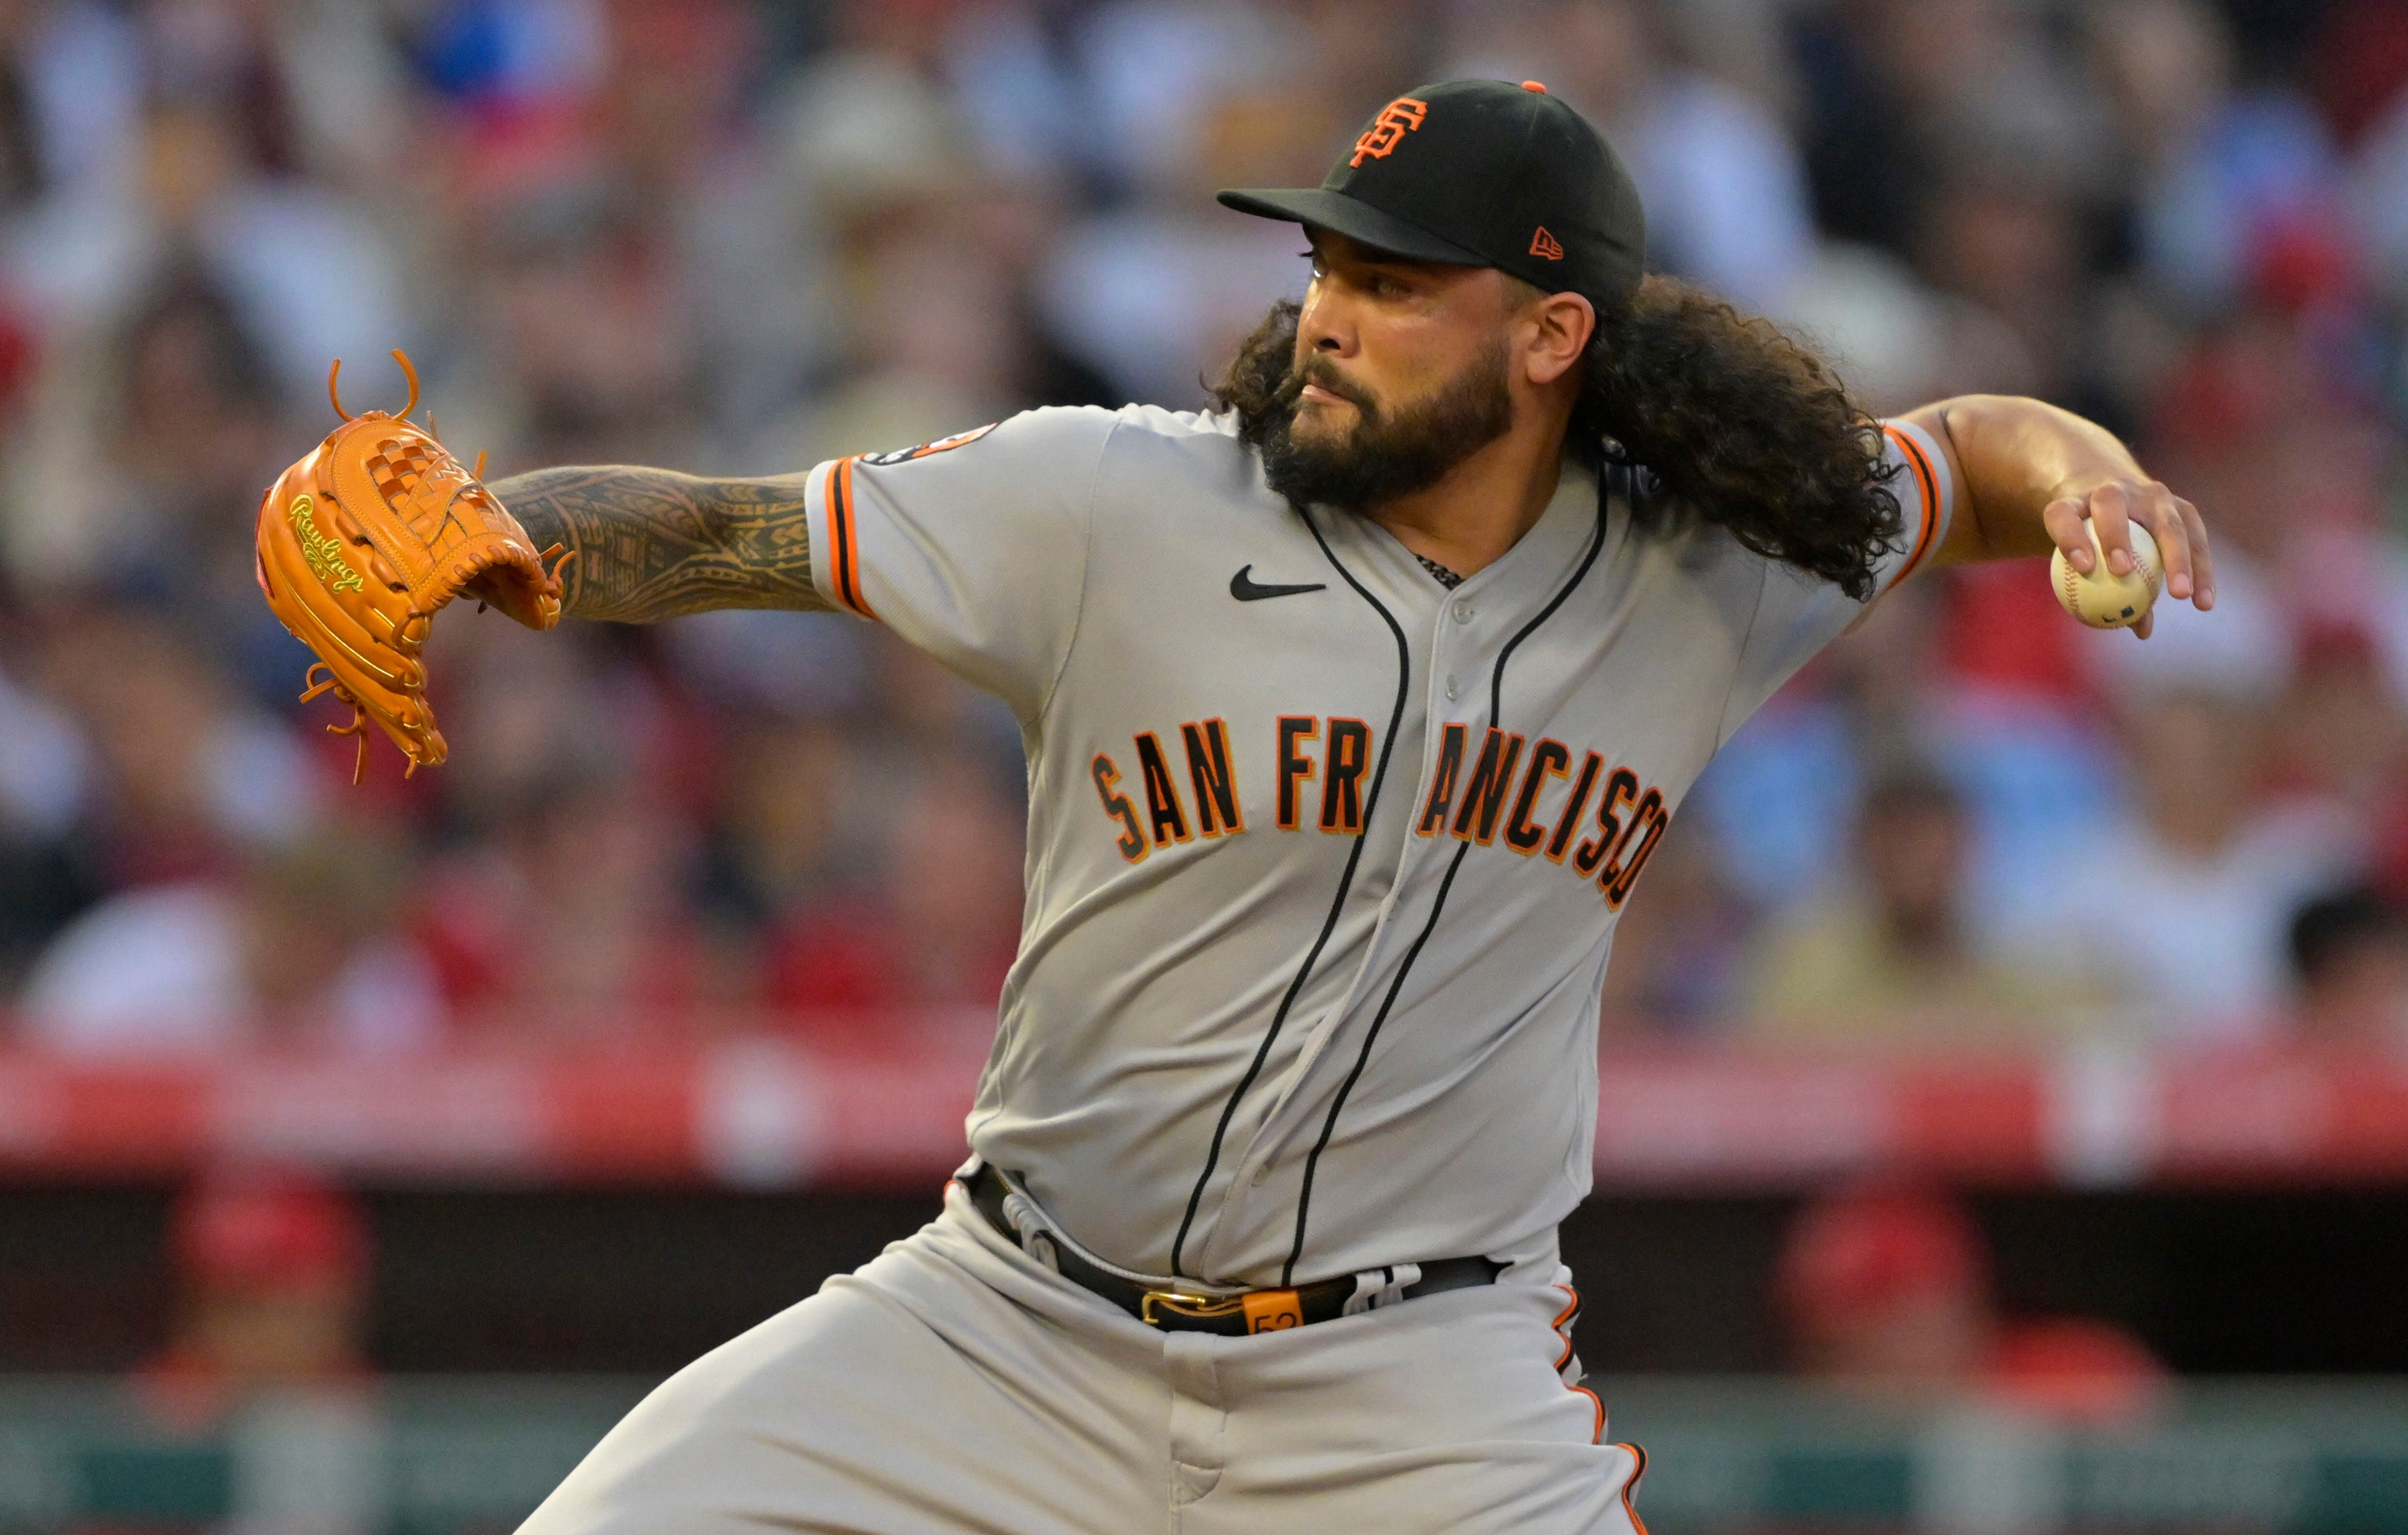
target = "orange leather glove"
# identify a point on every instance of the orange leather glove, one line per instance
(364, 541)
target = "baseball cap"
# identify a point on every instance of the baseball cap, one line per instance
(1861, 1251)
(268, 1229)
(1482, 173)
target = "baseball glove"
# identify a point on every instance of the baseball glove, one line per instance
(364, 541)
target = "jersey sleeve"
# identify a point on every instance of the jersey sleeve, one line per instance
(1797, 613)
(972, 548)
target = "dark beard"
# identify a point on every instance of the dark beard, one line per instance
(1662, 382)
(1388, 454)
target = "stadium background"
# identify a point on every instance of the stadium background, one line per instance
(2005, 1125)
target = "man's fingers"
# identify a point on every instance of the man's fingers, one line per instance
(2068, 529)
(2111, 515)
(2109, 512)
(2166, 525)
(2202, 567)
(2141, 630)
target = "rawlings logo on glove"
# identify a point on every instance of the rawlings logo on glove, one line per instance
(364, 539)
(324, 554)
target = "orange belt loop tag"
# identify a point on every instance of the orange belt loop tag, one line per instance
(1268, 1311)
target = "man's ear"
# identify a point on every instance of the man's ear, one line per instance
(1564, 321)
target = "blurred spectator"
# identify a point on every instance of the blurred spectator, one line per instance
(1156, 293)
(47, 871)
(1677, 947)
(1782, 792)
(302, 949)
(927, 947)
(585, 347)
(2345, 738)
(2349, 955)
(149, 445)
(1887, 960)
(564, 923)
(777, 839)
(180, 776)
(2184, 897)
(939, 338)
(1783, 795)
(271, 1272)
(1886, 1290)
(2002, 230)
(1164, 74)
(2223, 174)
(1887, 82)
(270, 1347)
(2269, 420)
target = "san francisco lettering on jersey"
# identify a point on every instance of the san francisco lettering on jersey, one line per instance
(1528, 794)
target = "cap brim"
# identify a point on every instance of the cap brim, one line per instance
(1357, 221)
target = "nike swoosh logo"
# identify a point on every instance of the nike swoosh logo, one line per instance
(1246, 589)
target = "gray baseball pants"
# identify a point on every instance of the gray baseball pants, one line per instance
(954, 1384)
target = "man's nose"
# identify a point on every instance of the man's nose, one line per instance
(1328, 339)
(1322, 323)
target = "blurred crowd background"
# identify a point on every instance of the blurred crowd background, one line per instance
(743, 237)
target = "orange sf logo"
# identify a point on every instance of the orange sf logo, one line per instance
(1395, 120)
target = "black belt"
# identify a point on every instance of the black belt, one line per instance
(1230, 1316)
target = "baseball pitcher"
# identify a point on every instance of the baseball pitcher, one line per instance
(1354, 709)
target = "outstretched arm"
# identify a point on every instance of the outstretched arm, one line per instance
(652, 543)
(2030, 475)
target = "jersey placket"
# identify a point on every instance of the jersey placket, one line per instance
(1270, 1162)
(1454, 690)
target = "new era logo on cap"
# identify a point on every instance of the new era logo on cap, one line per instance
(1544, 244)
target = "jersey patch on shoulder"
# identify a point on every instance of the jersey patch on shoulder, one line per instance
(904, 455)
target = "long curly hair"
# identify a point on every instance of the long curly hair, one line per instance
(1732, 422)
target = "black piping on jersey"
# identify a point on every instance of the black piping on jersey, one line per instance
(1337, 904)
(1438, 905)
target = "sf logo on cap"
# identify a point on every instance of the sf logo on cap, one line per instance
(1395, 120)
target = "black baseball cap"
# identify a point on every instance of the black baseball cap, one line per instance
(1482, 173)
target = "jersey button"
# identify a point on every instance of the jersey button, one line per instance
(1462, 610)
(1260, 1174)
(1451, 688)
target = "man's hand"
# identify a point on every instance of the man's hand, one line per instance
(2028, 475)
(2112, 505)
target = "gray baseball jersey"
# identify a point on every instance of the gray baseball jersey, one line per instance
(1325, 858)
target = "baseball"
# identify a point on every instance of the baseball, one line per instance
(2103, 599)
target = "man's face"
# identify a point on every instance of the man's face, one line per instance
(1399, 375)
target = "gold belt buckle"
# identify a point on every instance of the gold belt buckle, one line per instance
(1265, 1310)
(1184, 1303)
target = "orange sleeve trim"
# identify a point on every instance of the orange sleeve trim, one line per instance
(846, 546)
(1929, 484)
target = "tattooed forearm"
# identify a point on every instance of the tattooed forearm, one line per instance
(653, 544)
